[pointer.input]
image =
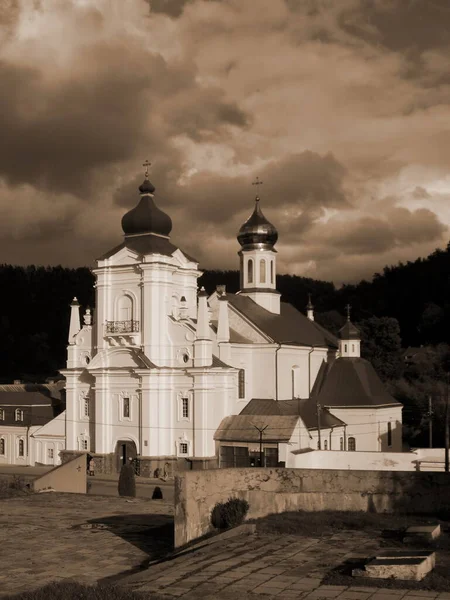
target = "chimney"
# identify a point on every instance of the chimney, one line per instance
(310, 309)
(203, 342)
(223, 329)
(75, 325)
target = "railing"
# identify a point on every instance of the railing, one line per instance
(122, 326)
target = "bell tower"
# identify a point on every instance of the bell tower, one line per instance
(257, 238)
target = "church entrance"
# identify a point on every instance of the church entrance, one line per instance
(125, 449)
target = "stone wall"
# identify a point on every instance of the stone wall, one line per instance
(67, 477)
(280, 490)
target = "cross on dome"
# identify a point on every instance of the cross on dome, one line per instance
(257, 182)
(348, 308)
(147, 164)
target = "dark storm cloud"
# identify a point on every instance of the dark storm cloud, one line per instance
(370, 235)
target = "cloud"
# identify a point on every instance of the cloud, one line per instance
(341, 108)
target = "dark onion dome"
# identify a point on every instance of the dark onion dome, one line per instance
(146, 217)
(257, 231)
(349, 332)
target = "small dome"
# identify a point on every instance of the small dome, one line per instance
(349, 332)
(257, 231)
(146, 217)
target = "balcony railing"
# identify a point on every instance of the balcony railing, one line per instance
(122, 326)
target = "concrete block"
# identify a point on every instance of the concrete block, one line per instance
(425, 533)
(410, 565)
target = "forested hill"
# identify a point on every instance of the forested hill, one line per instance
(34, 306)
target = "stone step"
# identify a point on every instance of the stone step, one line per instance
(425, 533)
(409, 565)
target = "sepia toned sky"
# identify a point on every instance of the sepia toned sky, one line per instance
(342, 108)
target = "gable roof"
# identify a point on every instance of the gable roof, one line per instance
(49, 390)
(241, 428)
(350, 382)
(306, 408)
(289, 327)
(235, 337)
(147, 244)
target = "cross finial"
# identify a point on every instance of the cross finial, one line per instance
(257, 182)
(348, 308)
(147, 164)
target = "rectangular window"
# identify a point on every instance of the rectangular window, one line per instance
(185, 408)
(325, 444)
(2, 446)
(341, 444)
(389, 434)
(21, 448)
(183, 448)
(84, 444)
(2, 414)
(126, 408)
(241, 383)
(86, 407)
(50, 452)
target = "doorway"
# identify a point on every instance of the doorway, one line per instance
(125, 449)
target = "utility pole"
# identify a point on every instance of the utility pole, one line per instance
(261, 431)
(447, 432)
(430, 421)
(319, 409)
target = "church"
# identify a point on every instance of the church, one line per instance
(175, 379)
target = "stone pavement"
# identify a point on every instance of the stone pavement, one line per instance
(53, 536)
(266, 566)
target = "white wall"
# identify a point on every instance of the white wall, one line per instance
(362, 461)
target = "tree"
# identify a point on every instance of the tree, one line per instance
(381, 344)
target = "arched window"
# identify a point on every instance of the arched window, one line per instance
(250, 270)
(262, 271)
(325, 444)
(125, 308)
(353, 347)
(351, 444)
(241, 383)
(19, 414)
(345, 347)
(86, 407)
(341, 444)
(271, 271)
(2, 446)
(295, 374)
(21, 448)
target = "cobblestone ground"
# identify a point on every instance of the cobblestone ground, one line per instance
(49, 537)
(268, 567)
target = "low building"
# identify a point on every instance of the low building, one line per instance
(32, 424)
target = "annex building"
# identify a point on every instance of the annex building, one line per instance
(172, 377)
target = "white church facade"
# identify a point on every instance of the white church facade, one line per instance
(166, 375)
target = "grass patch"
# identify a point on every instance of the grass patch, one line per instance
(317, 524)
(69, 590)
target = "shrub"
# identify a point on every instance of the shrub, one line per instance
(157, 493)
(230, 513)
(127, 481)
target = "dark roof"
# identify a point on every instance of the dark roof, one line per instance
(146, 217)
(32, 390)
(349, 332)
(257, 231)
(350, 382)
(306, 408)
(216, 362)
(289, 327)
(24, 399)
(235, 337)
(241, 428)
(147, 244)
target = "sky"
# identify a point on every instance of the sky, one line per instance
(341, 108)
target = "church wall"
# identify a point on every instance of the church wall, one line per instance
(297, 370)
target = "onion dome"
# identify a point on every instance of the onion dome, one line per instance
(146, 217)
(257, 231)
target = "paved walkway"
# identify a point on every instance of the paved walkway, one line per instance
(266, 566)
(48, 537)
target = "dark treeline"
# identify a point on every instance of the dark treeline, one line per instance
(406, 304)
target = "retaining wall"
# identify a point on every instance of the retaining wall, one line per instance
(279, 490)
(68, 477)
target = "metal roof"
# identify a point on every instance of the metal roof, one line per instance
(288, 327)
(306, 408)
(350, 383)
(241, 428)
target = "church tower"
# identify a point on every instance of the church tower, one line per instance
(257, 238)
(349, 339)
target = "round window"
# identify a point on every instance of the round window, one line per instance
(87, 360)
